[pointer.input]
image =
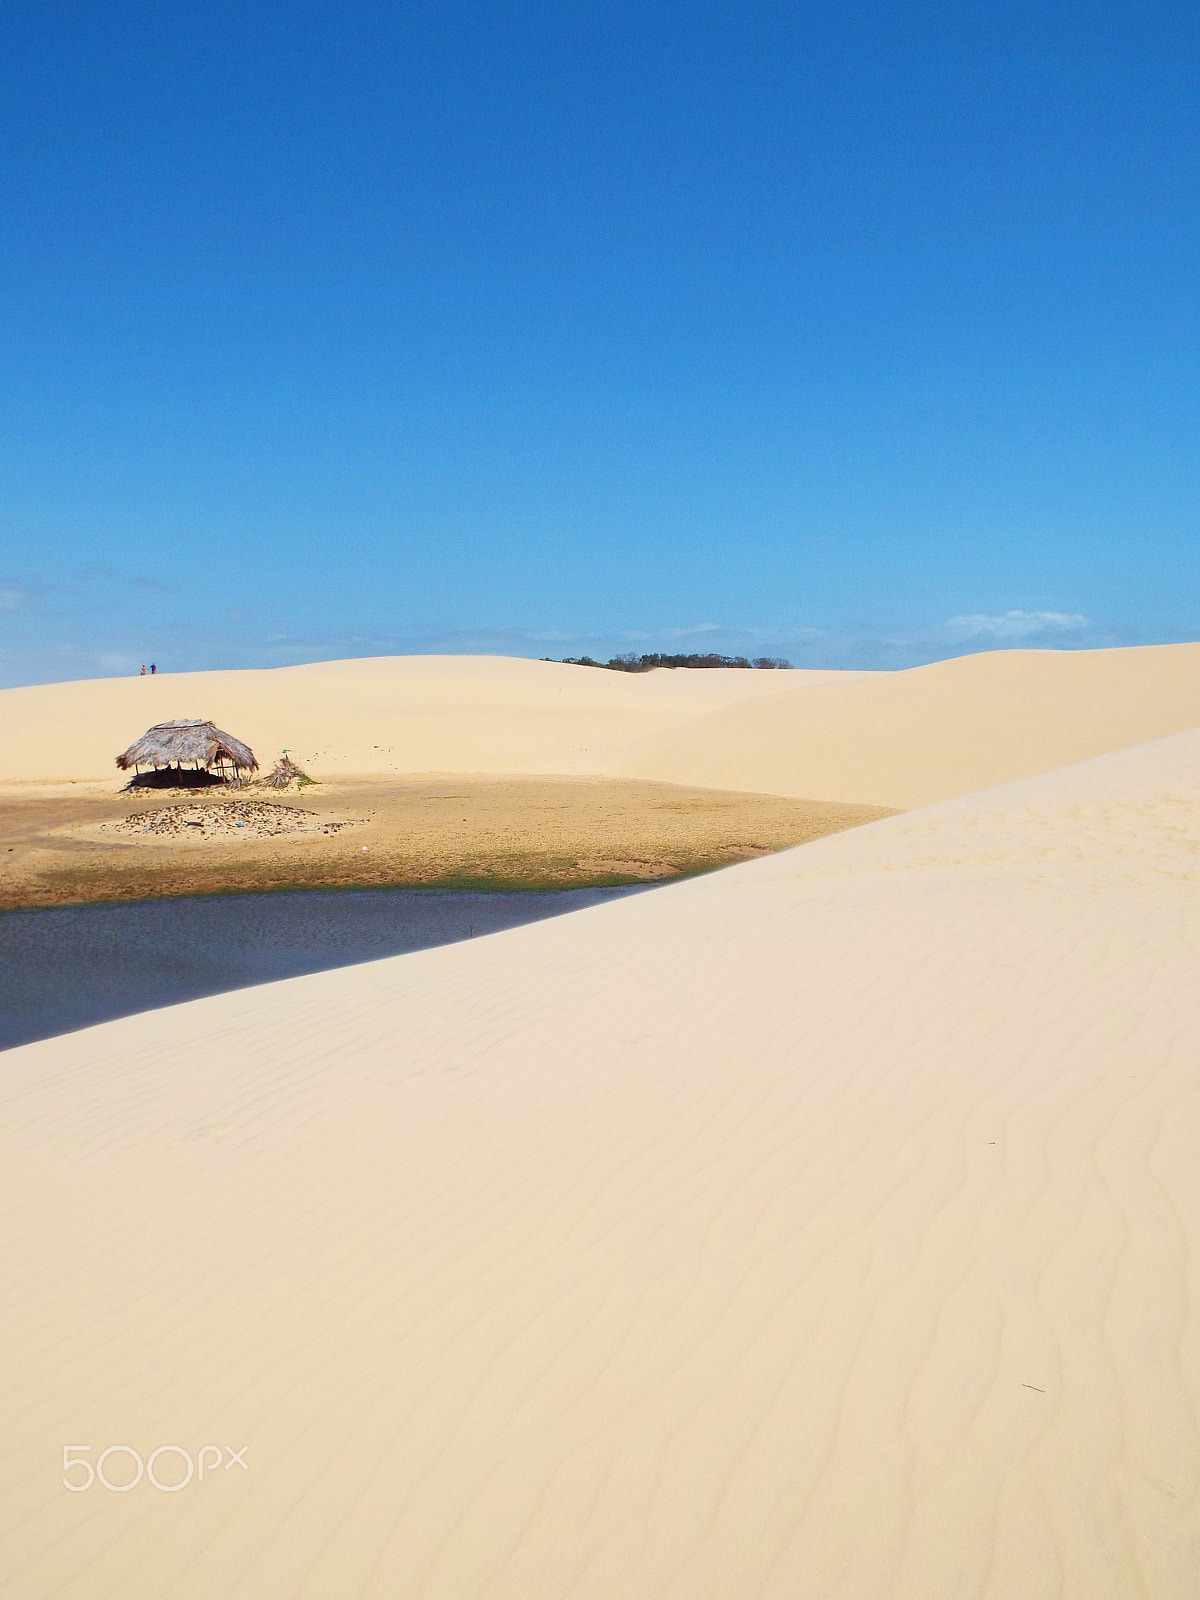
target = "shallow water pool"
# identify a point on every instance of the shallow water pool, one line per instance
(68, 967)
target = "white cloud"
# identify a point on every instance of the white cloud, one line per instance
(1016, 624)
(686, 633)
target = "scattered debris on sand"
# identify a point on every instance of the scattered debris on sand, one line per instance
(454, 831)
(257, 819)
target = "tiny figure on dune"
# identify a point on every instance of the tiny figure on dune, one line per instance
(143, 671)
(153, 669)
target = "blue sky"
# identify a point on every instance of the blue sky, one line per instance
(863, 334)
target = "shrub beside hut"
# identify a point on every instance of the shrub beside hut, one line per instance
(285, 773)
(168, 746)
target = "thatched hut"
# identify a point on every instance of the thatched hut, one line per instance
(199, 744)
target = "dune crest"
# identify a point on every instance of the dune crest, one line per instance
(828, 1226)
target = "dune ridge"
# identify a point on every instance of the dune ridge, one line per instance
(932, 732)
(826, 1227)
(890, 739)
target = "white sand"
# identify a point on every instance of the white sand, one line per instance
(485, 714)
(826, 1227)
(908, 738)
(895, 739)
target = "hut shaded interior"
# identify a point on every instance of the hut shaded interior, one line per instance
(168, 748)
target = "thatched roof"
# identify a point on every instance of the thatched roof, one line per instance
(172, 743)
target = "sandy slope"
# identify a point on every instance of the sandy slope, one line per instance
(493, 714)
(908, 738)
(826, 1227)
(894, 739)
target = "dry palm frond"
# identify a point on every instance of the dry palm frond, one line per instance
(286, 772)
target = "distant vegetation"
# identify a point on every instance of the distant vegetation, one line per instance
(632, 663)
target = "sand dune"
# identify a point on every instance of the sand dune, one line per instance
(895, 739)
(909, 738)
(492, 714)
(826, 1227)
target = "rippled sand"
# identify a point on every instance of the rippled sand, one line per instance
(826, 1226)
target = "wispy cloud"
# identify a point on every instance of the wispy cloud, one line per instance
(687, 633)
(10, 598)
(112, 577)
(1015, 624)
